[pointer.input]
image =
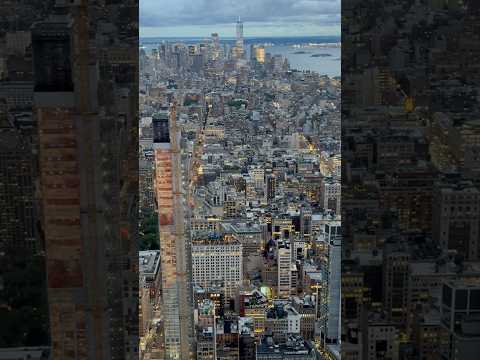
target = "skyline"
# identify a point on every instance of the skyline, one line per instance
(260, 170)
(263, 18)
(232, 38)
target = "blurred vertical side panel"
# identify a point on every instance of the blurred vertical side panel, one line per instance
(69, 179)
(411, 179)
(24, 315)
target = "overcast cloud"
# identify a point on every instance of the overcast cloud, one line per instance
(261, 17)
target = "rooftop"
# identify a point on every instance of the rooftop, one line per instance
(294, 346)
(149, 262)
(24, 353)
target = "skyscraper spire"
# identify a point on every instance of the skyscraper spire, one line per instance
(239, 30)
(239, 46)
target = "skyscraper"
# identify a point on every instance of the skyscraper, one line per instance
(239, 33)
(87, 220)
(271, 184)
(175, 282)
(333, 288)
(216, 49)
(238, 51)
(260, 54)
(61, 208)
(284, 263)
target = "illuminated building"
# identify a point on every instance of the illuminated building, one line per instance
(253, 304)
(282, 227)
(211, 224)
(215, 293)
(305, 223)
(354, 294)
(260, 54)
(410, 193)
(205, 330)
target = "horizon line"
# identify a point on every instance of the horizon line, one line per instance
(233, 37)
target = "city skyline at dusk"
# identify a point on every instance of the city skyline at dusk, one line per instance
(263, 18)
(251, 134)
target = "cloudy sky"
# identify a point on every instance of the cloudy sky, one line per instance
(172, 18)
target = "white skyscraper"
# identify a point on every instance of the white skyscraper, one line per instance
(284, 262)
(239, 33)
(238, 51)
(217, 261)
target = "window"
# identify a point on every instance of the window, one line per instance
(447, 295)
(461, 299)
(475, 299)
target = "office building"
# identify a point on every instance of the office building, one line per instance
(217, 260)
(332, 326)
(331, 195)
(460, 315)
(205, 330)
(284, 264)
(395, 283)
(456, 218)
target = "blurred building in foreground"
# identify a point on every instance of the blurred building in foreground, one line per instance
(88, 183)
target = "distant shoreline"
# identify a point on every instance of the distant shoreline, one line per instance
(285, 46)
